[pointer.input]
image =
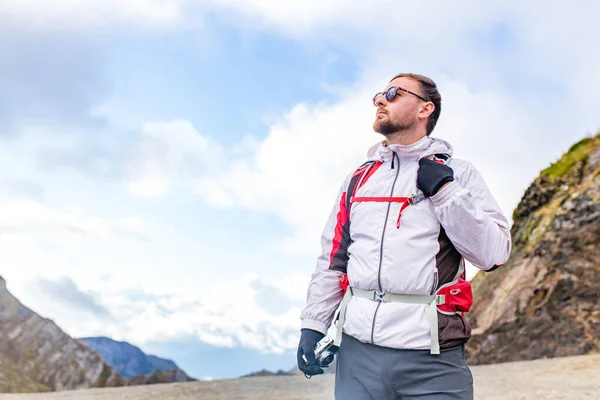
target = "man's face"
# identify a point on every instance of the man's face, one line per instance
(402, 112)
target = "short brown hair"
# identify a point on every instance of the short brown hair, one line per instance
(431, 93)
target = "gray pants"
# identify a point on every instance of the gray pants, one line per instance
(366, 371)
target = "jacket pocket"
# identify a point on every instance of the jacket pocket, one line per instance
(453, 330)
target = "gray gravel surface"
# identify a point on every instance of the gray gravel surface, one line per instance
(573, 378)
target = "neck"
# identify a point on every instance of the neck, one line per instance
(404, 137)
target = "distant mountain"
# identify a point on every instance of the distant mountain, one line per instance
(264, 372)
(292, 371)
(167, 376)
(160, 364)
(130, 361)
(37, 356)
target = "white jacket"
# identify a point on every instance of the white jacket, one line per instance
(463, 220)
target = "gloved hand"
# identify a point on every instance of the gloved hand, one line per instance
(431, 176)
(308, 340)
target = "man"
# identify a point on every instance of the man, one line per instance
(400, 229)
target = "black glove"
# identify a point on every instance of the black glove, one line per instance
(432, 176)
(308, 340)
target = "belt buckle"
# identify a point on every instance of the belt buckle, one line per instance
(379, 296)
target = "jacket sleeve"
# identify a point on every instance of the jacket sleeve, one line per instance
(324, 291)
(472, 218)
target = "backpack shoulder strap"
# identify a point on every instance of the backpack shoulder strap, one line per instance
(354, 182)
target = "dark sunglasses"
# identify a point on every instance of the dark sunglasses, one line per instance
(392, 92)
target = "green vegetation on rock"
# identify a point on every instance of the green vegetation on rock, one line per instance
(577, 153)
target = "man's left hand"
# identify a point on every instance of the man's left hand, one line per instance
(432, 176)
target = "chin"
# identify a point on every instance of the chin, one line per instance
(377, 127)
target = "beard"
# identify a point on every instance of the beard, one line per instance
(389, 127)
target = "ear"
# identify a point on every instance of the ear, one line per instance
(426, 110)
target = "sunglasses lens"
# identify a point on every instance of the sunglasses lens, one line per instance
(391, 93)
(376, 97)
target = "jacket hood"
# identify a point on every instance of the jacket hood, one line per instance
(424, 147)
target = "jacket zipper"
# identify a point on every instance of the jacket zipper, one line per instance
(381, 246)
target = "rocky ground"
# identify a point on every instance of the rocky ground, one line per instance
(573, 378)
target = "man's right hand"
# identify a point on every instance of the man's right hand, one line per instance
(308, 340)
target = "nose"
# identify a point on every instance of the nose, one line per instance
(381, 101)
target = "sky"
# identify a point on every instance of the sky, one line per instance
(167, 166)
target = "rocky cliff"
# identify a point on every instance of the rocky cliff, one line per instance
(545, 301)
(36, 355)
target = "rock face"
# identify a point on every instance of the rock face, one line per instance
(36, 355)
(545, 301)
(130, 361)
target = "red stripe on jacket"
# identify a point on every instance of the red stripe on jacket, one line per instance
(342, 219)
(370, 173)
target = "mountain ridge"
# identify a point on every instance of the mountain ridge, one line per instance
(129, 360)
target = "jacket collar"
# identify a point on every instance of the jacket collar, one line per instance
(423, 147)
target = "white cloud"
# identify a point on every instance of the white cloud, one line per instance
(86, 14)
(153, 181)
(293, 15)
(227, 315)
(170, 153)
(30, 216)
(371, 19)
(133, 224)
(211, 191)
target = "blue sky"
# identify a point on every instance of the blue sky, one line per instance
(166, 169)
(241, 78)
